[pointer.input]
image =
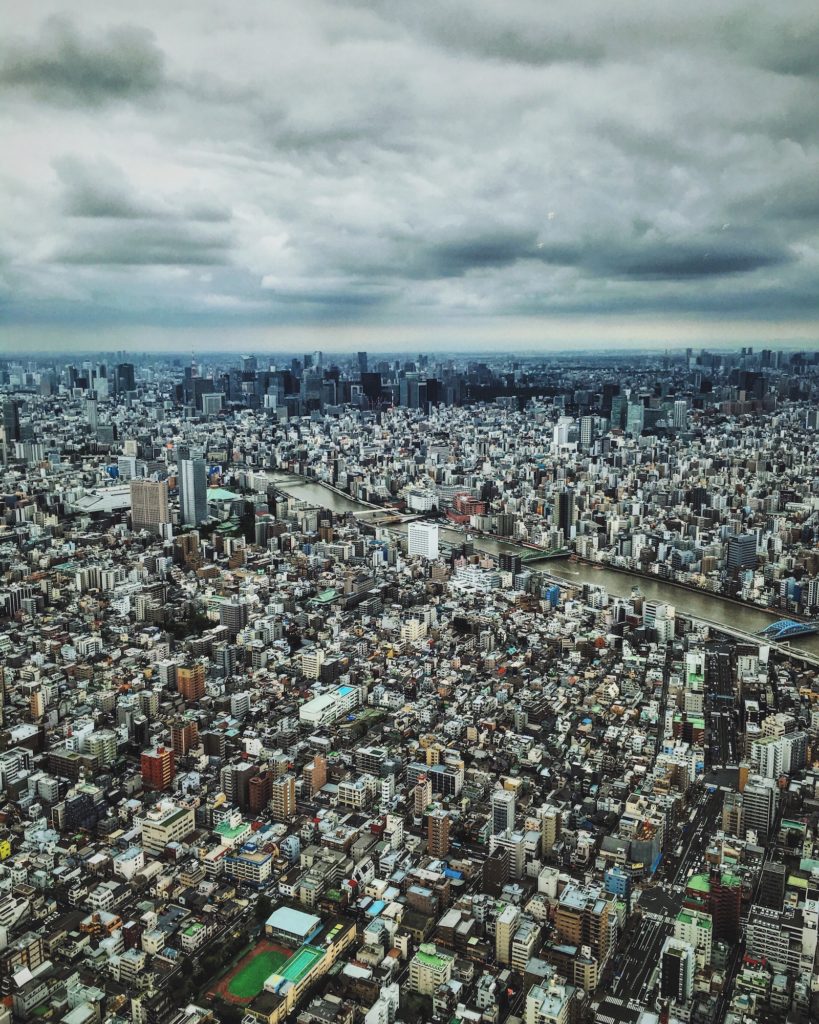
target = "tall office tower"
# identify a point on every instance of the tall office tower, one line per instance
(772, 885)
(678, 961)
(193, 486)
(566, 512)
(680, 414)
(586, 431)
(157, 768)
(11, 420)
(438, 833)
(190, 681)
(250, 364)
(92, 412)
(635, 418)
(423, 540)
(760, 798)
(149, 505)
(502, 807)
(619, 405)
(560, 432)
(283, 798)
(742, 552)
(211, 404)
(125, 380)
(362, 362)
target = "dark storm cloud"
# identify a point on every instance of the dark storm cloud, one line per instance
(676, 259)
(642, 259)
(101, 190)
(64, 65)
(457, 256)
(545, 38)
(146, 244)
(114, 225)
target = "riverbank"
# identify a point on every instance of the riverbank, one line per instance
(693, 589)
(699, 605)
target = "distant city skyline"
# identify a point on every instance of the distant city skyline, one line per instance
(345, 175)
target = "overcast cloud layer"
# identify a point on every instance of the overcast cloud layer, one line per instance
(396, 173)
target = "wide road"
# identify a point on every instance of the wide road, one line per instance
(638, 954)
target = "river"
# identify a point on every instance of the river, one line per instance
(687, 602)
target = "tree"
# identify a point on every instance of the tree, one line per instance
(264, 907)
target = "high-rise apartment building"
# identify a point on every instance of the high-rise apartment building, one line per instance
(438, 833)
(422, 795)
(725, 903)
(505, 928)
(184, 736)
(190, 681)
(157, 767)
(283, 798)
(149, 505)
(582, 918)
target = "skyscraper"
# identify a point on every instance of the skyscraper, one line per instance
(193, 486)
(566, 512)
(125, 377)
(149, 505)
(11, 420)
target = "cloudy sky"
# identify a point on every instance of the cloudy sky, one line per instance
(453, 173)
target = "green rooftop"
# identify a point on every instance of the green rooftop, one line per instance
(220, 494)
(230, 833)
(699, 883)
(434, 960)
(701, 920)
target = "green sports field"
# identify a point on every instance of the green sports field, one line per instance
(248, 981)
